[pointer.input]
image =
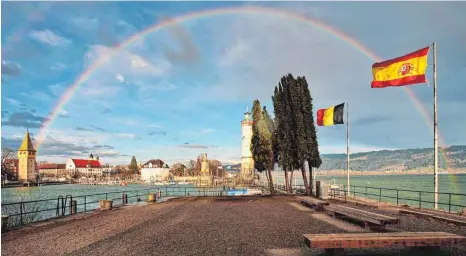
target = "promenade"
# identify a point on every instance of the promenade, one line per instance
(199, 226)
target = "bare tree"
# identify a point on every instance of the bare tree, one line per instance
(178, 169)
(190, 167)
(7, 162)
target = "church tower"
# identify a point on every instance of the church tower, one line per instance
(247, 162)
(27, 160)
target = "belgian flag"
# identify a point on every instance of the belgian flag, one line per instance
(330, 116)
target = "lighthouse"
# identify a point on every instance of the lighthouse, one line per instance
(247, 162)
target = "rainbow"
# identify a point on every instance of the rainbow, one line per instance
(216, 12)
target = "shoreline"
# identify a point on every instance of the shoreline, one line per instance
(381, 173)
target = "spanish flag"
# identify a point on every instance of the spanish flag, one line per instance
(404, 70)
(330, 116)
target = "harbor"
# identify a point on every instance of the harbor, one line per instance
(251, 225)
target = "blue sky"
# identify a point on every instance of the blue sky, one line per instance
(182, 90)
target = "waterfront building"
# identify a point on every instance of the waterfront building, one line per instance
(247, 162)
(87, 167)
(155, 170)
(27, 160)
(205, 168)
(54, 170)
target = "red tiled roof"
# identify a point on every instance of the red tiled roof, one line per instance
(12, 161)
(82, 163)
(52, 166)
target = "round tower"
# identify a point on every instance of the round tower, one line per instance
(247, 162)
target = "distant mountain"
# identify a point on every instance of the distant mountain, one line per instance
(404, 159)
(385, 160)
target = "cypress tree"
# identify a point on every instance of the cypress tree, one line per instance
(313, 155)
(288, 140)
(261, 144)
(269, 134)
(255, 140)
(294, 139)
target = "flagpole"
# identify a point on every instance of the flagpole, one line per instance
(347, 148)
(435, 128)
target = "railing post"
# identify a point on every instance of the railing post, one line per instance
(106, 196)
(396, 196)
(204, 191)
(21, 213)
(365, 192)
(449, 202)
(420, 199)
(166, 191)
(184, 191)
(345, 195)
(380, 194)
(85, 204)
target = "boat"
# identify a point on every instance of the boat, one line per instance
(172, 183)
(243, 192)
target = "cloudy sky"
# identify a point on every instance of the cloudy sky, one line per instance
(182, 89)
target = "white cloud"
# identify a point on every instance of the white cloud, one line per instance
(198, 132)
(13, 101)
(126, 135)
(58, 66)
(138, 65)
(161, 86)
(207, 130)
(37, 95)
(64, 113)
(120, 78)
(85, 22)
(341, 149)
(49, 37)
(125, 121)
(234, 53)
(57, 89)
(94, 88)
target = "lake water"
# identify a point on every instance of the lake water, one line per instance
(46, 199)
(88, 196)
(448, 183)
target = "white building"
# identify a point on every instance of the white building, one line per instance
(155, 170)
(87, 167)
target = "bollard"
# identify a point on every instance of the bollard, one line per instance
(106, 205)
(151, 198)
(73, 207)
(124, 198)
(4, 222)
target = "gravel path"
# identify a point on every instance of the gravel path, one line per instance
(197, 226)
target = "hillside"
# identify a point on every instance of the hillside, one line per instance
(404, 159)
(395, 160)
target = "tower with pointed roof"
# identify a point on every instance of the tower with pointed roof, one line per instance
(27, 160)
(247, 162)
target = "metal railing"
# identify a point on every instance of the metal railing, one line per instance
(451, 202)
(24, 212)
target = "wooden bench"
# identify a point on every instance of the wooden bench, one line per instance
(435, 215)
(314, 203)
(369, 219)
(423, 242)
